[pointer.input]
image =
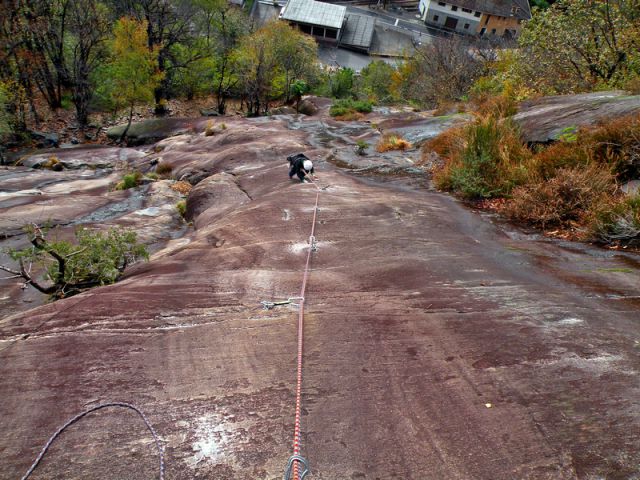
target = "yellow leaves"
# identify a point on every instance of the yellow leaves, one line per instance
(134, 68)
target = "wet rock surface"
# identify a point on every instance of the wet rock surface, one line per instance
(544, 120)
(438, 342)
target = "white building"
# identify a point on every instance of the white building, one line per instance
(477, 17)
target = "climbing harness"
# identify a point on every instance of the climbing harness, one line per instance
(93, 409)
(297, 465)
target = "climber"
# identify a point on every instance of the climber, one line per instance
(300, 165)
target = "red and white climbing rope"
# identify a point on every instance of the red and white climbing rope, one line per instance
(298, 464)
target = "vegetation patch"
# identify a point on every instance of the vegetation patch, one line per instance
(129, 180)
(563, 200)
(617, 222)
(182, 187)
(96, 258)
(487, 161)
(392, 141)
(164, 169)
(571, 185)
(181, 206)
(348, 108)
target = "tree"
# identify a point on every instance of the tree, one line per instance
(5, 117)
(168, 23)
(439, 72)
(341, 83)
(221, 27)
(132, 74)
(98, 258)
(265, 70)
(37, 31)
(296, 53)
(88, 28)
(581, 44)
(297, 89)
(376, 79)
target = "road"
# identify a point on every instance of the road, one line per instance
(439, 343)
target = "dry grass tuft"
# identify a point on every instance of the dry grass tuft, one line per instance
(164, 169)
(182, 187)
(563, 200)
(392, 141)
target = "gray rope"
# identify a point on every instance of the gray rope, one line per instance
(289, 469)
(93, 409)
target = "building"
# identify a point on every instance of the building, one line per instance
(501, 18)
(324, 21)
(330, 23)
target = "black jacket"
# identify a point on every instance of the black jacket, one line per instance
(296, 163)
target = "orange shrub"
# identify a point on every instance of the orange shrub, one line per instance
(392, 141)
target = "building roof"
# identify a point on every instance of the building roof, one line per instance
(502, 8)
(358, 31)
(314, 13)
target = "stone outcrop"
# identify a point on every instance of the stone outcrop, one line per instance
(546, 119)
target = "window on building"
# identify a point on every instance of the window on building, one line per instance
(306, 29)
(331, 33)
(435, 18)
(483, 30)
(493, 31)
(466, 26)
(477, 14)
(466, 10)
(454, 8)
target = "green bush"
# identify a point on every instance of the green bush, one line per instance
(97, 258)
(130, 180)
(490, 163)
(344, 107)
(181, 206)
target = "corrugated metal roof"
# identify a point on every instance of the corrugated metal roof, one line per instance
(358, 31)
(314, 13)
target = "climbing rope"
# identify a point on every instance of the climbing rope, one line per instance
(297, 464)
(93, 409)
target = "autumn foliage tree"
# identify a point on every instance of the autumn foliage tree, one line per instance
(132, 74)
(580, 45)
(270, 60)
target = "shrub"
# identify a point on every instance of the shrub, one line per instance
(129, 180)
(616, 221)
(447, 142)
(348, 106)
(559, 155)
(616, 143)
(181, 206)
(97, 258)
(211, 128)
(489, 163)
(361, 147)
(562, 200)
(392, 141)
(164, 169)
(52, 163)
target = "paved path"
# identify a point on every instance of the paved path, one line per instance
(439, 345)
